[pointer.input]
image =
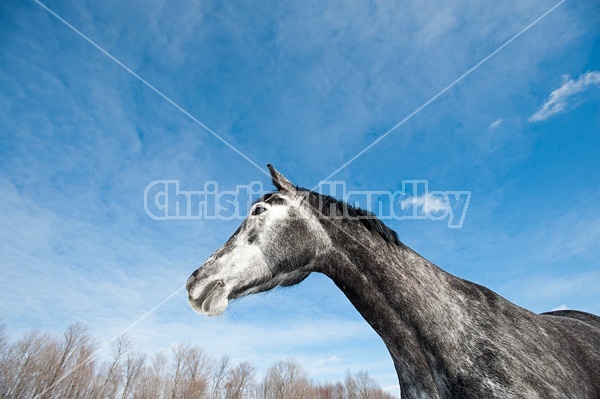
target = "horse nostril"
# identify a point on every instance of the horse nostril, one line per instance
(190, 280)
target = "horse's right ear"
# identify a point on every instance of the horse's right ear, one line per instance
(282, 184)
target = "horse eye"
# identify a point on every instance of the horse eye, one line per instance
(258, 210)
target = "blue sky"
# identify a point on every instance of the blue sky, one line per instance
(304, 86)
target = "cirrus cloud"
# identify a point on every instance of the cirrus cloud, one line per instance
(559, 99)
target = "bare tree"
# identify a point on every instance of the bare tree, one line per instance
(61, 359)
(219, 372)
(351, 387)
(285, 379)
(338, 391)
(113, 373)
(134, 366)
(195, 373)
(240, 381)
(86, 382)
(365, 385)
(24, 365)
(361, 386)
(4, 358)
(178, 359)
(43, 366)
(153, 379)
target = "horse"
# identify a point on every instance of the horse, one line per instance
(448, 337)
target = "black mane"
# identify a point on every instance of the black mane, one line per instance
(368, 219)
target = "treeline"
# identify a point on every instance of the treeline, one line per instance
(45, 366)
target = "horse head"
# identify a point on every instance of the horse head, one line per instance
(276, 245)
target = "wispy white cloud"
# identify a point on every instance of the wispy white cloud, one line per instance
(495, 124)
(322, 361)
(560, 99)
(426, 203)
(561, 307)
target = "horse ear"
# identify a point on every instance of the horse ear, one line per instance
(282, 184)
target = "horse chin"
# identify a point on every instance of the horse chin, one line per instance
(216, 303)
(212, 302)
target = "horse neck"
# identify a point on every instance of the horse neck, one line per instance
(408, 301)
(449, 337)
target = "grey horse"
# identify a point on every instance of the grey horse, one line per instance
(448, 337)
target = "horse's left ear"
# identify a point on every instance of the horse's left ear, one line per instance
(282, 184)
